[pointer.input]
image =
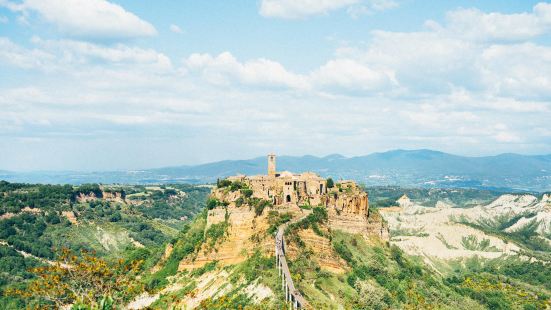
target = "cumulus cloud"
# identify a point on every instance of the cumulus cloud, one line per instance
(370, 7)
(86, 18)
(434, 88)
(474, 24)
(302, 8)
(517, 70)
(224, 69)
(70, 57)
(338, 75)
(16, 55)
(79, 52)
(176, 29)
(352, 76)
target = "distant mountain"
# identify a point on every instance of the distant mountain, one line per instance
(412, 168)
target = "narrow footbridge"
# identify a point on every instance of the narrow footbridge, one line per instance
(292, 295)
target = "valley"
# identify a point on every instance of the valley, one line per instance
(214, 247)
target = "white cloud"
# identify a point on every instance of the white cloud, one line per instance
(86, 18)
(476, 25)
(434, 89)
(517, 70)
(352, 76)
(507, 137)
(176, 29)
(335, 76)
(79, 52)
(291, 9)
(71, 56)
(300, 8)
(15, 55)
(370, 7)
(225, 69)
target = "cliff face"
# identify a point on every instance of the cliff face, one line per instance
(238, 240)
(246, 228)
(246, 232)
(350, 213)
(106, 195)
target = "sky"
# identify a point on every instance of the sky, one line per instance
(108, 85)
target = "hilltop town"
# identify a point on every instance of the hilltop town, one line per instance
(247, 205)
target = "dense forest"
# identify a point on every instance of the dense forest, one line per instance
(37, 222)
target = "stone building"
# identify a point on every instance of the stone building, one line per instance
(305, 188)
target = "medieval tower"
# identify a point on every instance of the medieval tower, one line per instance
(271, 164)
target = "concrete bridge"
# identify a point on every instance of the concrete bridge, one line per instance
(292, 295)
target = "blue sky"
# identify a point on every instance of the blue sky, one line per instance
(101, 85)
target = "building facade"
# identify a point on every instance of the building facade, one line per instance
(306, 188)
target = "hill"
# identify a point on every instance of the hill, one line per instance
(432, 261)
(449, 248)
(38, 221)
(413, 168)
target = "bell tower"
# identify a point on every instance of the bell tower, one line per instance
(271, 164)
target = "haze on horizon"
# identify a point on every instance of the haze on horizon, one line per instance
(108, 85)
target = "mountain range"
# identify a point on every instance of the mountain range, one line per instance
(408, 168)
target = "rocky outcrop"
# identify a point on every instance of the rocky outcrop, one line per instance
(350, 213)
(115, 196)
(347, 207)
(82, 197)
(70, 215)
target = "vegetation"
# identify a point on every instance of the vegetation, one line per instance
(188, 242)
(526, 236)
(223, 183)
(35, 221)
(82, 280)
(420, 232)
(216, 232)
(113, 248)
(494, 283)
(213, 203)
(471, 243)
(277, 219)
(259, 205)
(386, 196)
(318, 216)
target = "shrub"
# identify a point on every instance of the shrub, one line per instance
(239, 202)
(79, 284)
(259, 208)
(223, 183)
(276, 219)
(116, 217)
(344, 252)
(236, 186)
(247, 193)
(216, 232)
(213, 203)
